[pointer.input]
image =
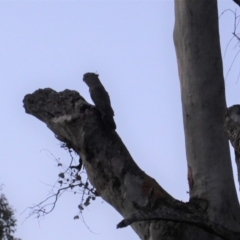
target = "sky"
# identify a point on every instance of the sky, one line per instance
(130, 45)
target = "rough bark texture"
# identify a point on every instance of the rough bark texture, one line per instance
(150, 210)
(196, 39)
(232, 125)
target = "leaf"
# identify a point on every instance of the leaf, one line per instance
(61, 175)
(80, 207)
(78, 177)
(87, 202)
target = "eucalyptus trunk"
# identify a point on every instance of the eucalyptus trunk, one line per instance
(196, 38)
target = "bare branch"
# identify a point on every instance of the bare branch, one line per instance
(167, 214)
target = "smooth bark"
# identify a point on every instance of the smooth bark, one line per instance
(196, 39)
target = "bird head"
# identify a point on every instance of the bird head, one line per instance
(91, 79)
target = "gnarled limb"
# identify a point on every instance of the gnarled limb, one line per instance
(111, 169)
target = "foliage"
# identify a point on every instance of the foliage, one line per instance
(71, 179)
(7, 220)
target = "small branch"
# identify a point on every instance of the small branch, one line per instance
(41, 209)
(71, 179)
(182, 217)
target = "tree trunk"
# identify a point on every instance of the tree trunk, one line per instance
(197, 44)
(213, 210)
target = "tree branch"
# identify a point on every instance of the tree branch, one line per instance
(177, 216)
(110, 167)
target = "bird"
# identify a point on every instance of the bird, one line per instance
(100, 98)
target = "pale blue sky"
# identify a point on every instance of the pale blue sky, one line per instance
(129, 43)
